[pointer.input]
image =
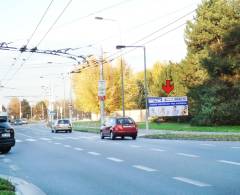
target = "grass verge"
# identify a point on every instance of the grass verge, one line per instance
(188, 127)
(92, 127)
(6, 188)
(189, 136)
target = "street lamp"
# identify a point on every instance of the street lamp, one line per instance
(145, 76)
(122, 79)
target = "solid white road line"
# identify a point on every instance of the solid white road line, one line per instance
(193, 182)
(157, 150)
(67, 146)
(188, 155)
(114, 159)
(144, 168)
(94, 153)
(236, 147)
(78, 149)
(229, 162)
(31, 140)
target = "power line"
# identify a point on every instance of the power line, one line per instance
(40, 21)
(45, 35)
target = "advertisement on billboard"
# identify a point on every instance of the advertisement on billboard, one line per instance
(168, 106)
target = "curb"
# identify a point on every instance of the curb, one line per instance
(23, 187)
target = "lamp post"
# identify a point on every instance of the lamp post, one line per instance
(122, 79)
(145, 76)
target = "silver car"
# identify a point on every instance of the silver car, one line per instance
(62, 125)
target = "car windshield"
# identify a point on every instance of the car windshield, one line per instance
(124, 121)
(3, 119)
(63, 122)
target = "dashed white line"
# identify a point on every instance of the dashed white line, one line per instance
(94, 153)
(45, 139)
(57, 143)
(114, 159)
(2, 155)
(18, 141)
(67, 146)
(229, 162)
(188, 155)
(144, 168)
(158, 150)
(207, 144)
(31, 140)
(135, 146)
(14, 167)
(7, 160)
(78, 149)
(193, 182)
(236, 147)
(24, 135)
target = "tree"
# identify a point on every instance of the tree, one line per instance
(40, 110)
(214, 40)
(25, 108)
(14, 107)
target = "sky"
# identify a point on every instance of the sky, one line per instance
(129, 22)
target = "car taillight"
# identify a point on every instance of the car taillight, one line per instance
(118, 127)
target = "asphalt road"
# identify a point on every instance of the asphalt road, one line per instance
(82, 163)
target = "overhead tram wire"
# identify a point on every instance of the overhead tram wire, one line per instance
(149, 35)
(45, 35)
(30, 38)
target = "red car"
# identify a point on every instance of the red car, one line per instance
(119, 127)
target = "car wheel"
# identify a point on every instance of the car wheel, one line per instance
(70, 131)
(122, 137)
(52, 131)
(5, 150)
(112, 136)
(134, 137)
(101, 135)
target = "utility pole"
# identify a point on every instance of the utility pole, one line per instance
(101, 97)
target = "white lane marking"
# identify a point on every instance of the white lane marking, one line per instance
(229, 162)
(31, 140)
(67, 146)
(18, 141)
(78, 149)
(59, 138)
(144, 168)
(114, 159)
(236, 147)
(24, 135)
(102, 141)
(14, 167)
(193, 182)
(135, 146)
(45, 139)
(57, 143)
(2, 155)
(157, 150)
(207, 144)
(7, 160)
(188, 155)
(94, 153)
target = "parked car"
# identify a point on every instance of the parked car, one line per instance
(119, 127)
(17, 122)
(62, 125)
(24, 121)
(7, 139)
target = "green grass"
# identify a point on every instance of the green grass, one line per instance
(86, 126)
(188, 127)
(6, 188)
(189, 136)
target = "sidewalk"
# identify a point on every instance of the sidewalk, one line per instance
(23, 187)
(143, 132)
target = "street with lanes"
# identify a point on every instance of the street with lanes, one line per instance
(82, 163)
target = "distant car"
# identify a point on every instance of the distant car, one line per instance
(119, 127)
(24, 121)
(17, 122)
(62, 125)
(7, 139)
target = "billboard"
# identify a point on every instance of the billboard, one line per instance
(168, 106)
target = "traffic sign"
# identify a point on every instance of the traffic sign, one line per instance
(101, 88)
